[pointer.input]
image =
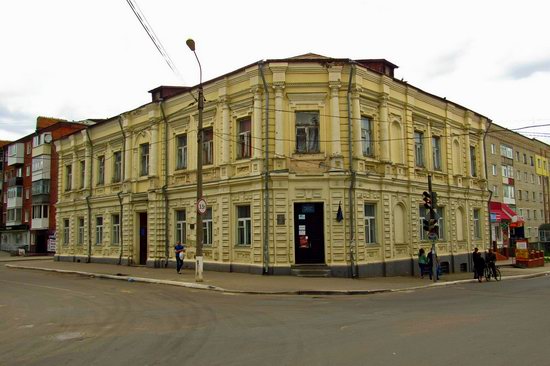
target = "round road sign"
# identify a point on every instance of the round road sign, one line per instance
(201, 206)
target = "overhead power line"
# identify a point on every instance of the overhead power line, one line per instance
(151, 33)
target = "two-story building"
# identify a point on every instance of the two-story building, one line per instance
(306, 160)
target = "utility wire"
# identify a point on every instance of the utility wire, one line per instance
(150, 32)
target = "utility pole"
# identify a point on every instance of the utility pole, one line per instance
(430, 225)
(201, 203)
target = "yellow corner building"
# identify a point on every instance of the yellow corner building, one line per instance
(308, 163)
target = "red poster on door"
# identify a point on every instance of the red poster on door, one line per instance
(304, 242)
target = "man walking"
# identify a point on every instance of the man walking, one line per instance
(479, 264)
(180, 254)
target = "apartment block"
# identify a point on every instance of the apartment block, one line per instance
(29, 196)
(517, 177)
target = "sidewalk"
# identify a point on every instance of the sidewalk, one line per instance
(257, 284)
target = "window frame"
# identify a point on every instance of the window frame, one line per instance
(309, 130)
(181, 152)
(208, 146)
(82, 173)
(369, 221)
(81, 223)
(117, 167)
(99, 230)
(181, 226)
(115, 229)
(367, 146)
(244, 138)
(66, 231)
(144, 159)
(473, 161)
(244, 225)
(477, 223)
(68, 177)
(207, 227)
(101, 170)
(419, 149)
(436, 153)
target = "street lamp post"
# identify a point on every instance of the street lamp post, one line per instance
(199, 233)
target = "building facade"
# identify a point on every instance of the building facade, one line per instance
(517, 176)
(3, 213)
(29, 196)
(307, 160)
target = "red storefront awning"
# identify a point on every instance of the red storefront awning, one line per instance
(501, 211)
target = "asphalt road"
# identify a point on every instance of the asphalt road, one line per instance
(56, 319)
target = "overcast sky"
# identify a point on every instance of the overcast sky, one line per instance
(77, 59)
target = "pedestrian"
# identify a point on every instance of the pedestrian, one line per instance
(479, 264)
(491, 262)
(180, 254)
(430, 265)
(422, 261)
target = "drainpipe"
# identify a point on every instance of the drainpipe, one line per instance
(164, 193)
(266, 173)
(487, 178)
(89, 196)
(351, 192)
(120, 231)
(119, 194)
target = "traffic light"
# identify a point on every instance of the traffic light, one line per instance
(426, 225)
(427, 200)
(433, 226)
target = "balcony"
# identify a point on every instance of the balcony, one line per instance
(16, 153)
(40, 224)
(41, 174)
(15, 222)
(15, 202)
(15, 181)
(43, 198)
(44, 149)
(41, 167)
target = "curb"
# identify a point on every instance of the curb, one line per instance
(259, 292)
(23, 259)
(121, 278)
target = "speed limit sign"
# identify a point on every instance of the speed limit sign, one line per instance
(201, 206)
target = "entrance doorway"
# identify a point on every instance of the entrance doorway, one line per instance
(309, 239)
(143, 238)
(40, 240)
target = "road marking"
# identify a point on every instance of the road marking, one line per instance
(68, 336)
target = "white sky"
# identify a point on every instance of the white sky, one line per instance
(77, 59)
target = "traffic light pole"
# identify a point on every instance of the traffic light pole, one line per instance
(432, 217)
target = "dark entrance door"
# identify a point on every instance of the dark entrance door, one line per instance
(41, 241)
(309, 240)
(143, 238)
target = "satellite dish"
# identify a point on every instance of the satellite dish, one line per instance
(48, 138)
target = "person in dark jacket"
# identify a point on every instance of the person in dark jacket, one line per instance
(179, 248)
(479, 264)
(430, 265)
(491, 262)
(422, 261)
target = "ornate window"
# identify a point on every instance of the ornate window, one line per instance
(307, 132)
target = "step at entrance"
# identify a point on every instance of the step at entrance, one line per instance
(310, 270)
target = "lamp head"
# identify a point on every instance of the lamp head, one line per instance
(191, 44)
